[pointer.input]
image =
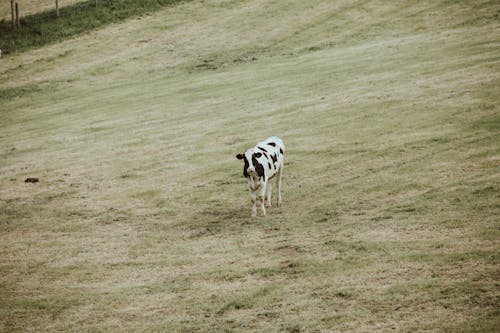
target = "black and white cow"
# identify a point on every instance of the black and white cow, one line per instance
(262, 163)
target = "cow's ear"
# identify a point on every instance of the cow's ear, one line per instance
(240, 156)
(258, 155)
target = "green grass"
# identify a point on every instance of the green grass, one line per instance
(45, 27)
(141, 219)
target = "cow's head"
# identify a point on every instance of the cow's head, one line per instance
(251, 167)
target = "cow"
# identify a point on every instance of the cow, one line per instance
(262, 163)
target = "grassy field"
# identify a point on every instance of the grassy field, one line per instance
(141, 219)
(29, 7)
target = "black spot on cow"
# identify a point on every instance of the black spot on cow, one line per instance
(275, 158)
(258, 167)
(281, 151)
(269, 164)
(271, 144)
(260, 171)
(262, 149)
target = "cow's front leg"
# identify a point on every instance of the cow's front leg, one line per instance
(254, 202)
(262, 193)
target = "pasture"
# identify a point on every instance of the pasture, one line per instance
(140, 221)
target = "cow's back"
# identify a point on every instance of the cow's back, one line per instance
(273, 155)
(277, 141)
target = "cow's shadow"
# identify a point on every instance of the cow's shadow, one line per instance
(222, 220)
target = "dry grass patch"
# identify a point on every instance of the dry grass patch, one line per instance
(141, 218)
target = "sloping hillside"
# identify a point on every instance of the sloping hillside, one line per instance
(141, 221)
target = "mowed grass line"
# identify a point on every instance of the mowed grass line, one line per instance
(140, 221)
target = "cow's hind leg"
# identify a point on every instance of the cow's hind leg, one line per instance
(269, 191)
(280, 175)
